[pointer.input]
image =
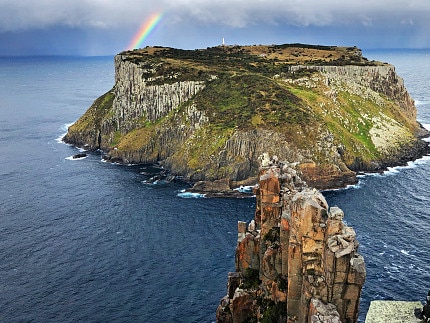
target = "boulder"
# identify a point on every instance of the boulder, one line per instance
(80, 155)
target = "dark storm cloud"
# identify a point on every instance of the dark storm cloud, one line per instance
(25, 14)
(401, 22)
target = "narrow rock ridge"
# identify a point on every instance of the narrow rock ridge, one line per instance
(296, 261)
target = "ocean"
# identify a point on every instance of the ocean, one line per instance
(88, 241)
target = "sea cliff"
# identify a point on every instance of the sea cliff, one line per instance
(209, 114)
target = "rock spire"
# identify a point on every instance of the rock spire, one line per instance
(296, 261)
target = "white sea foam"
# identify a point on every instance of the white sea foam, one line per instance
(103, 160)
(422, 160)
(155, 182)
(421, 102)
(426, 126)
(64, 128)
(71, 158)
(188, 195)
(393, 170)
(60, 138)
(244, 189)
(397, 169)
(348, 187)
(354, 186)
(411, 164)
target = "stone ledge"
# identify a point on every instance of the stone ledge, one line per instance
(393, 312)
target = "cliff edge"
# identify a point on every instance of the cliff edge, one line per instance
(208, 114)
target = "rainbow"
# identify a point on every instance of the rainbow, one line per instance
(145, 30)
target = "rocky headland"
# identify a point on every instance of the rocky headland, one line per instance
(207, 115)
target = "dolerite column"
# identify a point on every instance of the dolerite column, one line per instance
(270, 189)
(305, 255)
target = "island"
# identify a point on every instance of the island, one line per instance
(207, 115)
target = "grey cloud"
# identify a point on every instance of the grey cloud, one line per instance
(240, 13)
(27, 14)
(201, 23)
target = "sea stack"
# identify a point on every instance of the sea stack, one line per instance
(297, 261)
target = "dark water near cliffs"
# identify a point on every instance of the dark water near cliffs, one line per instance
(83, 240)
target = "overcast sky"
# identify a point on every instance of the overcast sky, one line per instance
(106, 27)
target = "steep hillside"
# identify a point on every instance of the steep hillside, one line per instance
(209, 114)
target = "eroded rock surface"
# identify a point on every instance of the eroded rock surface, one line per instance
(296, 261)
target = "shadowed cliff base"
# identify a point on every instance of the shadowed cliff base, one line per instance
(208, 115)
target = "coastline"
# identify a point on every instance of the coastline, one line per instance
(225, 188)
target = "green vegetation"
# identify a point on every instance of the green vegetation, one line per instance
(98, 111)
(116, 138)
(272, 312)
(250, 279)
(205, 143)
(178, 64)
(273, 235)
(246, 100)
(349, 119)
(134, 140)
(229, 55)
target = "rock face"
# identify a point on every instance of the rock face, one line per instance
(208, 114)
(296, 261)
(368, 80)
(136, 97)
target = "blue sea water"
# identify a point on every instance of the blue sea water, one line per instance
(84, 240)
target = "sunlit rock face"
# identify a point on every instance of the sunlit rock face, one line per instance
(297, 261)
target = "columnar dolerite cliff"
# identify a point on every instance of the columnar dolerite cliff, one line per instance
(296, 261)
(208, 114)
